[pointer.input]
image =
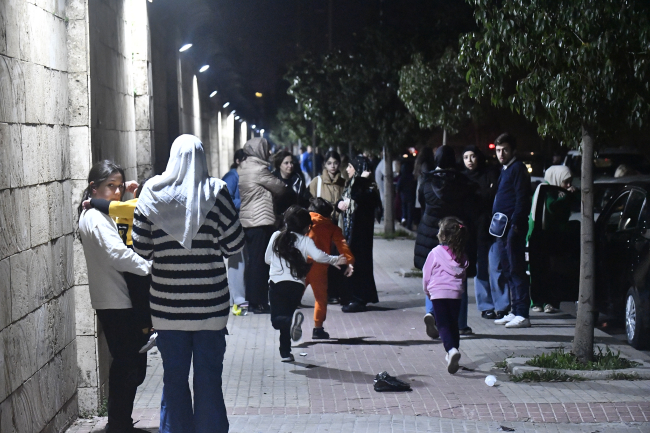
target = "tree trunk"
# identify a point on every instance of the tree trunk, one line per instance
(313, 173)
(583, 342)
(389, 196)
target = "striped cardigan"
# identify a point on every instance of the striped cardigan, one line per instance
(189, 288)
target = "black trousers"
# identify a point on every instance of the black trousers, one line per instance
(256, 272)
(446, 312)
(128, 368)
(285, 297)
(138, 286)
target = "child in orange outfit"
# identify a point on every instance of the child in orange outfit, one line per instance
(323, 232)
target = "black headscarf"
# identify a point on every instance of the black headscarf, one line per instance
(480, 162)
(360, 164)
(445, 158)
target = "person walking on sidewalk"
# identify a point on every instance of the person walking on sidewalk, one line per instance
(324, 233)
(108, 260)
(187, 223)
(513, 199)
(359, 204)
(442, 277)
(444, 192)
(286, 254)
(236, 262)
(258, 188)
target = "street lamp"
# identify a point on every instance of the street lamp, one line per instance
(213, 94)
(253, 126)
(226, 104)
(185, 47)
(204, 68)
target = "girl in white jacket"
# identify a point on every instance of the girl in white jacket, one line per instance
(287, 254)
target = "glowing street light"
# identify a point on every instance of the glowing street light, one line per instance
(258, 94)
(185, 47)
(262, 131)
(213, 93)
(226, 104)
(204, 68)
(237, 117)
(253, 126)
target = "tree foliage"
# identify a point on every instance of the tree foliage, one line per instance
(436, 93)
(353, 97)
(564, 64)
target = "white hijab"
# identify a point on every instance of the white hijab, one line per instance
(179, 200)
(556, 174)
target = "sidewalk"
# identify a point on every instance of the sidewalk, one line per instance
(330, 389)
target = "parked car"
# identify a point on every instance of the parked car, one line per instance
(622, 247)
(606, 161)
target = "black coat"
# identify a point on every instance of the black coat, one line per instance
(444, 193)
(299, 193)
(359, 234)
(486, 178)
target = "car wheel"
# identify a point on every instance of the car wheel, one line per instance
(636, 319)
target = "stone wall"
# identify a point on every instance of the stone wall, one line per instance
(37, 316)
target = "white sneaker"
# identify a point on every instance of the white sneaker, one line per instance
(452, 359)
(537, 308)
(296, 328)
(519, 322)
(548, 308)
(430, 323)
(150, 344)
(505, 319)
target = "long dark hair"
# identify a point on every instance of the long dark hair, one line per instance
(425, 156)
(99, 172)
(321, 206)
(279, 157)
(296, 220)
(453, 233)
(333, 154)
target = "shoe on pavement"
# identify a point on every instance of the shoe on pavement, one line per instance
(333, 301)
(320, 334)
(354, 307)
(505, 319)
(488, 314)
(430, 323)
(500, 314)
(548, 308)
(287, 356)
(519, 322)
(537, 308)
(236, 310)
(150, 344)
(296, 328)
(466, 331)
(452, 358)
(261, 309)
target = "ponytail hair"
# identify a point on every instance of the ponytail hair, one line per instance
(99, 173)
(453, 233)
(296, 220)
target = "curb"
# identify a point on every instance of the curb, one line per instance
(517, 366)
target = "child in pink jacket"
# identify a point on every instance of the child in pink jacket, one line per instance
(443, 275)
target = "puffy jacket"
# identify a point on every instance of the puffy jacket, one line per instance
(257, 186)
(443, 193)
(298, 194)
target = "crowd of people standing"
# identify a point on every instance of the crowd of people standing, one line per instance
(167, 267)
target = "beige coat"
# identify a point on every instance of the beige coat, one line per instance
(331, 189)
(257, 186)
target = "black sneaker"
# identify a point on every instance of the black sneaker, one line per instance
(286, 356)
(320, 334)
(500, 314)
(296, 328)
(354, 307)
(488, 314)
(261, 309)
(333, 301)
(430, 324)
(466, 331)
(386, 382)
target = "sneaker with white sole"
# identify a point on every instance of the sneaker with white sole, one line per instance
(452, 358)
(548, 308)
(505, 319)
(150, 344)
(519, 322)
(430, 323)
(296, 328)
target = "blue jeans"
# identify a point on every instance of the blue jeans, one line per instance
(462, 316)
(512, 250)
(490, 286)
(206, 350)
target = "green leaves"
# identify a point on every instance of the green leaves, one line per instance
(562, 63)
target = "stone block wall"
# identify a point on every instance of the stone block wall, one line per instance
(38, 381)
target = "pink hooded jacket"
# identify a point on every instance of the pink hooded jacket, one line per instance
(442, 275)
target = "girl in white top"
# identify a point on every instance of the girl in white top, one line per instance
(287, 254)
(107, 257)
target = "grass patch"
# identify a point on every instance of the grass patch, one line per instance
(413, 273)
(545, 376)
(103, 410)
(503, 364)
(397, 234)
(603, 360)
(624, 376)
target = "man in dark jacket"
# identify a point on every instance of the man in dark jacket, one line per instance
(513, 199)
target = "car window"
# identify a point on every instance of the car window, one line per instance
(616, 212)
(630, 217)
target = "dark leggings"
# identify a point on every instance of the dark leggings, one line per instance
(285, 297)
(256, 271)
(446, 312)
